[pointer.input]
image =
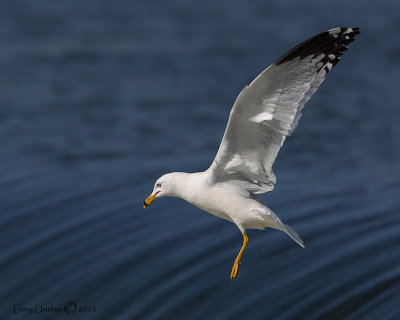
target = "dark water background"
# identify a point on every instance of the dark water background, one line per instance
(99, 98)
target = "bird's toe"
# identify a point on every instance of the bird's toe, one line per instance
(235, 270)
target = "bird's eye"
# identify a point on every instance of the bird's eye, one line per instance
(158, 185)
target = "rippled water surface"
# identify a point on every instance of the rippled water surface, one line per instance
(99, 98)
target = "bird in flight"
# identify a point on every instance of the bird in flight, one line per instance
(263, 115)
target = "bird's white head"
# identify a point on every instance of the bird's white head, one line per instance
(166, 185)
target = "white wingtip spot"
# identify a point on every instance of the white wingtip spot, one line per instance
(334, 32)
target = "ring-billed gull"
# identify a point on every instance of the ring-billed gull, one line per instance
(263, 115)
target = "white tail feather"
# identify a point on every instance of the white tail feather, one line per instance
(289, 230)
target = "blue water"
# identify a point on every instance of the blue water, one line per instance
(99, 98)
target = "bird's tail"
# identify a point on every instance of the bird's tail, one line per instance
(273, 221)
(291, 233)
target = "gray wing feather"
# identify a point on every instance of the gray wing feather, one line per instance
(268, 110)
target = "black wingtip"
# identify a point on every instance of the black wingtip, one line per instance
(331, 43)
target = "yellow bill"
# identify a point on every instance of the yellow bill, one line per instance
(149, 200)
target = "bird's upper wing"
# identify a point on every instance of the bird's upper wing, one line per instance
(268, 110)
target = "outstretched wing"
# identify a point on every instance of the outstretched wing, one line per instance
(268, 110)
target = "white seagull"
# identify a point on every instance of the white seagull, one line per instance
(263, 115)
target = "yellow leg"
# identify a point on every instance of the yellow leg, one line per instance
(236, 265)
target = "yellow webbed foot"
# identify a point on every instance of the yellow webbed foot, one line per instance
(236, 265)
(235, 270)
